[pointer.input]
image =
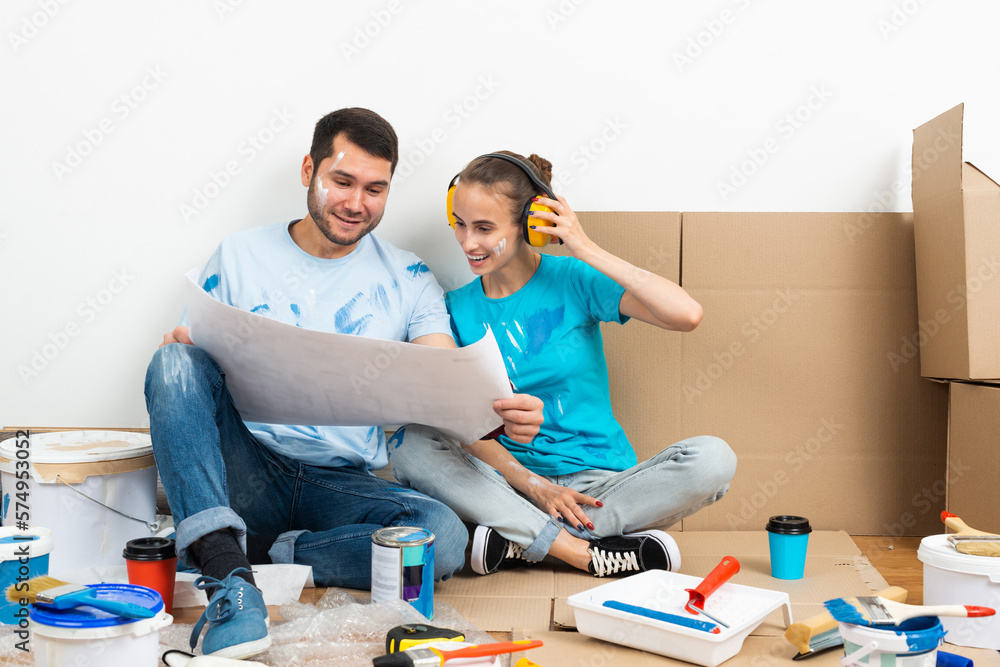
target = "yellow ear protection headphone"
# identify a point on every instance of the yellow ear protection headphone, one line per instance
(536, 239)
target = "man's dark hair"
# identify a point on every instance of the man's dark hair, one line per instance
(360, 126)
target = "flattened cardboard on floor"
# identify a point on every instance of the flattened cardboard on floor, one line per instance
(799, 363)
(974, 455)
(834, 568)
(956, 209)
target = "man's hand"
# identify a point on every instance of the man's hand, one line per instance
(180, 334)
(522, 415)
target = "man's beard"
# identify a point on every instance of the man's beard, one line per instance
(317, 211)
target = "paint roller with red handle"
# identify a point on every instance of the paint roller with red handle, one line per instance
(722, 573)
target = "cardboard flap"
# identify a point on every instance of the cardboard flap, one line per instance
(937, 158)
(975, 179)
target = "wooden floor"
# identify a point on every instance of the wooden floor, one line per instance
(894, 557)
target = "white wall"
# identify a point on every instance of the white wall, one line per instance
(156, 97)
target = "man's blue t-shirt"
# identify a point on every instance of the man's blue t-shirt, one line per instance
(549, 334)
(377, 291)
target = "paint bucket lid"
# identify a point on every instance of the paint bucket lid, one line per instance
(79, 446)
(786, 524)
(936, 551)
(915, 635)
(87, 621)
(13, 542)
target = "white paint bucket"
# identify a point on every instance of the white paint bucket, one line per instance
(951, 577)
(912, 643)
(95, 490)
(89, 636)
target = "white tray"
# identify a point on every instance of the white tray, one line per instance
(742, 607)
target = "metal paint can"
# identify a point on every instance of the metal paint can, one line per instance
(403, 567)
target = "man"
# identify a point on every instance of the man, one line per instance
(245, 493)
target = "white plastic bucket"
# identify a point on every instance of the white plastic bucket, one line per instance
(951, 577)
(95, 490)
(88, 636)
(913, 643)
(24, 554)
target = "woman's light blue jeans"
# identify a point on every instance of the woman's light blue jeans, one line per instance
(656, 493)
(217, 475)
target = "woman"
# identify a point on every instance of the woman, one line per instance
(576, 491)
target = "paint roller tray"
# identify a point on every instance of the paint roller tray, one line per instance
(742, 607)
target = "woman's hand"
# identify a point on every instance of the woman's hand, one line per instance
(560, 502)
(566, 225)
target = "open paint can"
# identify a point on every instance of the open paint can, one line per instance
(89, 636)
(912, 643)
(403, 567)
(24, 554)
(95, 490)
(951, 577)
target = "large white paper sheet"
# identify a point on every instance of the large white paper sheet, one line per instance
(281, 374)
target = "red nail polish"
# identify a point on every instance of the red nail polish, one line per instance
(590, 525)
(600, 504)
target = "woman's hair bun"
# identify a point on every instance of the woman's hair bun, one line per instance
(543, 165)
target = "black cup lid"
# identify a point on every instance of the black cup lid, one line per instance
(149, 548)
(786, 524)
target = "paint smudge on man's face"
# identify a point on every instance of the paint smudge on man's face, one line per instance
(500, 247)
(321, 193)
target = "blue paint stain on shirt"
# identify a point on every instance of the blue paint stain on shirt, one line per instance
(416, 269)
(295, 309)
(346, 324)
(379, 297)
(6, 505)
(538, 328)
(211, 283)
(262, 308)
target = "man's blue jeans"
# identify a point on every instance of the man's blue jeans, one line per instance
(218, 476)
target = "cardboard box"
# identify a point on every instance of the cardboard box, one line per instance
(795, 365)
(956, 209)
(974, 455)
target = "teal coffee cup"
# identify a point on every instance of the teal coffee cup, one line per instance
(788, 537)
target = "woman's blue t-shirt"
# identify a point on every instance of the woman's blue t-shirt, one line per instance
(549, 334)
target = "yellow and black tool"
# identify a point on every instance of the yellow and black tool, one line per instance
(407, 636)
